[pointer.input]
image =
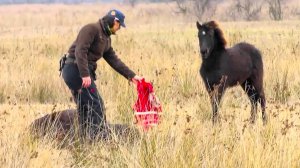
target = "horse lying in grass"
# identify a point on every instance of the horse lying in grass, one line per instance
(226, 67)
(61, 126)
(57, 125)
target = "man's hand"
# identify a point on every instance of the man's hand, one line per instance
(86, 81)
(135, 79)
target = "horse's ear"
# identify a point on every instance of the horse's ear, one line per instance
(198, 25)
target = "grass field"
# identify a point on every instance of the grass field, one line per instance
(162, 47)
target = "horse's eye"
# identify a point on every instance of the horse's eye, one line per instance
(203, 32)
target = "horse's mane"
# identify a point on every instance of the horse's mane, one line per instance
(218, 32)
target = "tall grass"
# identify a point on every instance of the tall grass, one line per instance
(163, 48)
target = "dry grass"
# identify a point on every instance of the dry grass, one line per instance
(163, 48)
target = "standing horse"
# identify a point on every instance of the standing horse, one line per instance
(225, 67)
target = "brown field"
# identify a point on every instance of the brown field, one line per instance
(162, 46)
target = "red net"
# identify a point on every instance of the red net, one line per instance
(147, 108)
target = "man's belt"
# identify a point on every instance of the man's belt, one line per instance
(70, 60)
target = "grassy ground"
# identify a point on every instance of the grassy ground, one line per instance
(162, 47)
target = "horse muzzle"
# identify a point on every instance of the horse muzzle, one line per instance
(205, 53)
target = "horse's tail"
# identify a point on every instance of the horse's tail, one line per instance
(257, 61)
(258, 68)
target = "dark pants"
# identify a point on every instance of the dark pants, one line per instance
(89, 103)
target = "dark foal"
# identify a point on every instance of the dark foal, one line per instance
(225, 67)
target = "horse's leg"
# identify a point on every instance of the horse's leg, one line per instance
(252, 95)
(215, 101)
(256, 94)
(258, 85)
(263, 108)
(215, 98)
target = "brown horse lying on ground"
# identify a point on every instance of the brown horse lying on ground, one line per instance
(225, 67)
(57, 124)
(62, 126)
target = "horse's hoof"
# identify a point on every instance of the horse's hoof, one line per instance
(265, 120)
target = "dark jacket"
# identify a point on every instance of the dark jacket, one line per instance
(93, 43)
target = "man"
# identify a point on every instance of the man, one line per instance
(92, 43)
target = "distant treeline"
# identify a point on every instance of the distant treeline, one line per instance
(74, 1)
(52, 1)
